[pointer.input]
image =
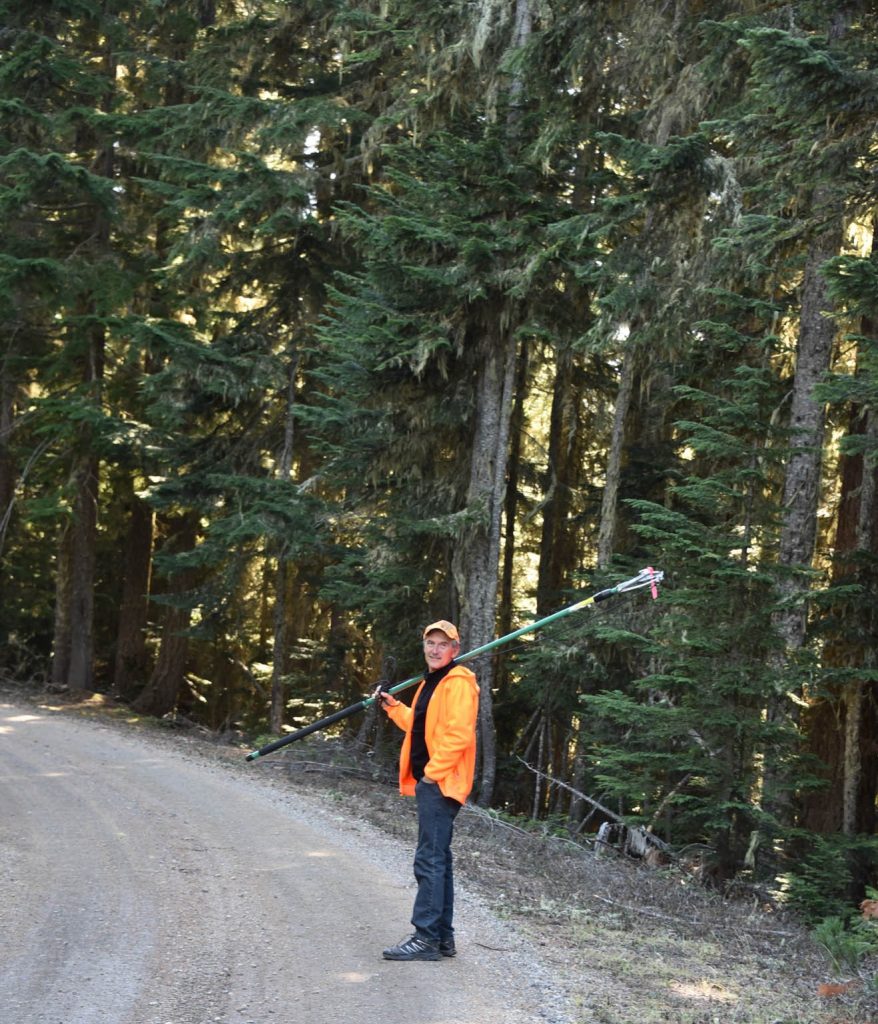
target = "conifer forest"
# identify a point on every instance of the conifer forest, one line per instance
(326, 319)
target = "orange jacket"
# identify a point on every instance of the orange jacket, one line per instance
(450, 734)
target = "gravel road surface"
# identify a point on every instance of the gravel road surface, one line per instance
(144, 884)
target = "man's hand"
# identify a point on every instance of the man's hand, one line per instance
(385, 699)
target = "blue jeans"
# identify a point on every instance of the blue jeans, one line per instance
(434, 903)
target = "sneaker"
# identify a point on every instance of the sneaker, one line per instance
(447, 948)
(413, 948)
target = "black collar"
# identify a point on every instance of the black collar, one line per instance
(431, 678)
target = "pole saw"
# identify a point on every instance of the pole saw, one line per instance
(648, 577)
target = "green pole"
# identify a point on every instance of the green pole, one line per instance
(645, 578)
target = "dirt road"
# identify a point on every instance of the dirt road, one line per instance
(145, 885)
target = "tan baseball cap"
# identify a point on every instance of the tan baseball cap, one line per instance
(448, 628)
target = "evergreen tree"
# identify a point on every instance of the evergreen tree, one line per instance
(840, 724)
(67, 276)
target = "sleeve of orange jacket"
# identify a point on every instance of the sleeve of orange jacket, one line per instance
(401, 714)
(454, 732)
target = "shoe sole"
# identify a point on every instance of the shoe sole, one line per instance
(428, 957)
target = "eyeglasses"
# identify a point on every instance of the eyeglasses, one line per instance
(442, 646)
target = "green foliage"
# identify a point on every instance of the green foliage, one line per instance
(682, 738)
(821, 877)
(846, 944)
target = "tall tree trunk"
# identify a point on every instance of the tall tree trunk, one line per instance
(162, 691)
(63, 585)
(80, 673)
(278, 657)
(802, 475)
(803, 470)
(813, 354)
(801, 493)
(86, 466)
(510, 511)
(7, 462)
(860, 786)
(131, 660)
(73, 650)
(576, 811)
(610, 501)
(476, 559)
(842, 729)
(7, 483)
(521, 31)
(558, 553)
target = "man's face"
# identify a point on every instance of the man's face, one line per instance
(438, 649)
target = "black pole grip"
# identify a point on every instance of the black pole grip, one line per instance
(306, 730)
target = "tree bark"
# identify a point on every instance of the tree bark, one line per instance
(7, 483)
(7, 462)
(86, 465)
(801, 494)
(612, 482)
(162, 691)
(278, 657)
(557, 549)
(63, 584)
(131, 660)
(476, 559)
(73, 650)
(841, 730)
(510, 511)
(802, 475)
(80, 673)
(861, 715)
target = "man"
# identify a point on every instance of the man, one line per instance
(436, 766)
